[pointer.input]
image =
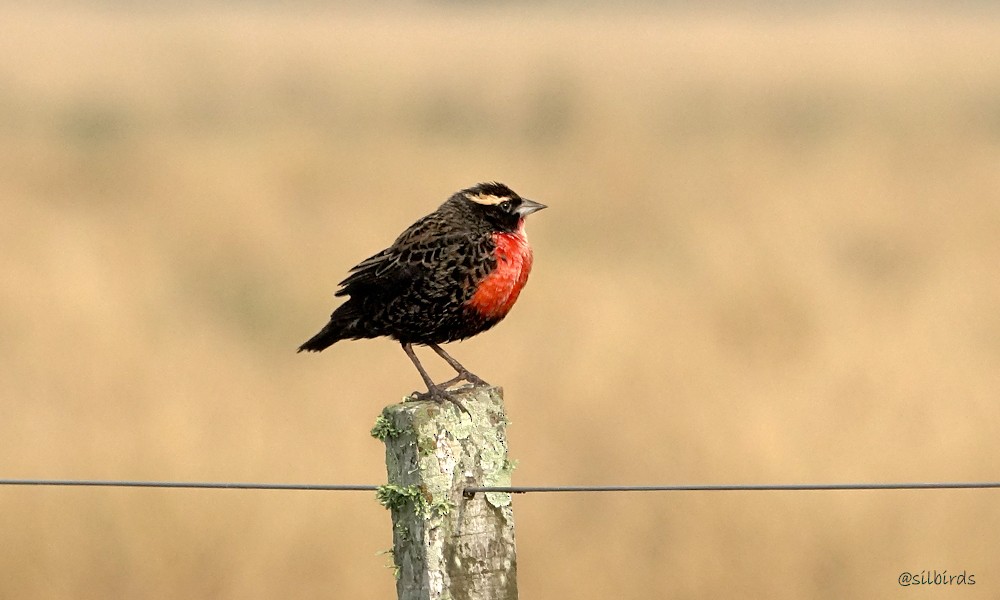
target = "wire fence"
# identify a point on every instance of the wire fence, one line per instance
(471, 491)
(210, 485)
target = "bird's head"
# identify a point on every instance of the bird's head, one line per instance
(499, 205)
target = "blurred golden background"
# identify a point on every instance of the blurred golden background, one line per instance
(771, 256)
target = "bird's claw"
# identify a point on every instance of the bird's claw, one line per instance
(440, 395)
(465, 376)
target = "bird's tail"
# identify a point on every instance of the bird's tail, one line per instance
(343, 325)
(328, 336)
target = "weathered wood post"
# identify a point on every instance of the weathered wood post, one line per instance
(447, 546)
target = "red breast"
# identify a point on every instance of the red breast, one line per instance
(497, 293)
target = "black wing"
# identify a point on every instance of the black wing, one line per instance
(416, 255)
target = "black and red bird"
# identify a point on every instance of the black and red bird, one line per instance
(452, 274)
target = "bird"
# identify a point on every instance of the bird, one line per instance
(451, 275)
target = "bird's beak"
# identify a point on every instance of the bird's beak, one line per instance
(528, 206)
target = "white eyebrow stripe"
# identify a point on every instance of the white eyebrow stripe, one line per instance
(487, 199)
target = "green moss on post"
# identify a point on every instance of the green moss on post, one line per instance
(383, 429)
(446, 546)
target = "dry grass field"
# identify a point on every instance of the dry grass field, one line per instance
(771, 255)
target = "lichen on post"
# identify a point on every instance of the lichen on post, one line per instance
(447, 546)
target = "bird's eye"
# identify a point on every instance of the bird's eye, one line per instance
(505, 205)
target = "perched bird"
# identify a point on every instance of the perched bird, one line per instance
(452, 274)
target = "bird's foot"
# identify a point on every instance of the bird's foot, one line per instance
(439, 394)
(465, 376)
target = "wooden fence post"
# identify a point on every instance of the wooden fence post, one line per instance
(447, 546)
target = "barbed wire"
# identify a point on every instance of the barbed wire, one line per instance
(471, 491)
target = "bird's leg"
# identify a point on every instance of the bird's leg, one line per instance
(434, 391)
(463, 373)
